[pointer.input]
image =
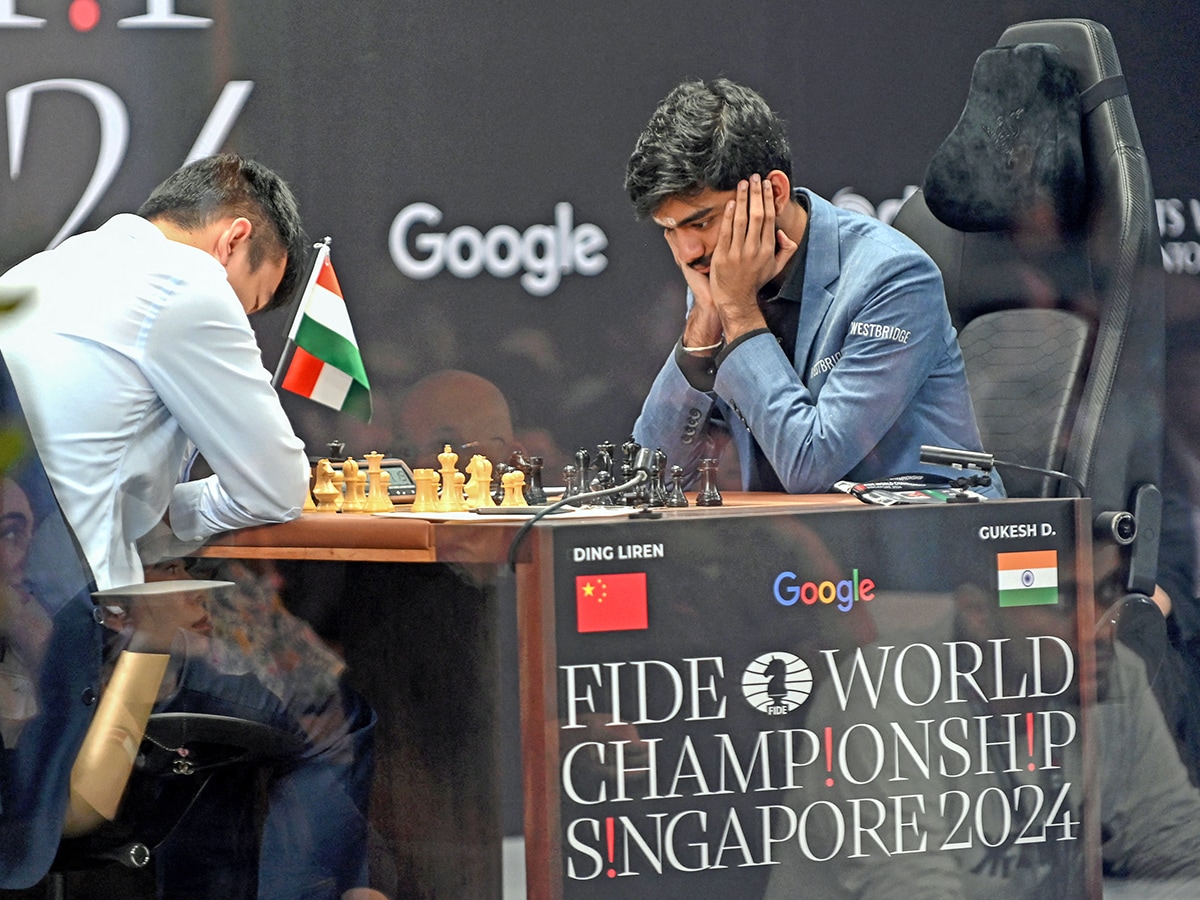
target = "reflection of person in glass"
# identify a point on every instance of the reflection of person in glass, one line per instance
(236, 651)
(156, 623)
(948, 785)
(133, 348)
(458, 408)
(24, 625)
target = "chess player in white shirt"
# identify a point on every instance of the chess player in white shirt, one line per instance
(133, 346)
(129, 347)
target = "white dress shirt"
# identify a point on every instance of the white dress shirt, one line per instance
(130, 346)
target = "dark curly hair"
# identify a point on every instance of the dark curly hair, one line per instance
(704, 135)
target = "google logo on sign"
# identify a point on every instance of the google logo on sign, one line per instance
(788, 589)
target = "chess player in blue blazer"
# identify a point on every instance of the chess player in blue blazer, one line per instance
(817, 340)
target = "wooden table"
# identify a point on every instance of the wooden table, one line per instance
(370, 538)
(425, 613)
(432, 625)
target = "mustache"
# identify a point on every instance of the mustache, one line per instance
(702, 262)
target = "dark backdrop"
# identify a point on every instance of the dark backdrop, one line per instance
(497, 113)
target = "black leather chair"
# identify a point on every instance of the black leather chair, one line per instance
(1038, 208)
(178, 756)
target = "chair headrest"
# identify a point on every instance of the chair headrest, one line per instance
(1017, 148)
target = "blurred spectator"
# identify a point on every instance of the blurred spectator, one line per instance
(458, 408)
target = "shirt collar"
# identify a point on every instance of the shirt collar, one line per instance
(132, 225)
(792, 288)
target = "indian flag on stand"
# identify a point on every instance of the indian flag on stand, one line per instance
(325, 365)
(1028, 579)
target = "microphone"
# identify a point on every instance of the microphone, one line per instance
(985, 462)
(958, 459)
(643, 465)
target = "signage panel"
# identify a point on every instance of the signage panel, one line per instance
(758, 705)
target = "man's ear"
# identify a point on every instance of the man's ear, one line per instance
(781, 189)
(235, 232)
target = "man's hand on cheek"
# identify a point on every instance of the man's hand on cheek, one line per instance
(750, 251)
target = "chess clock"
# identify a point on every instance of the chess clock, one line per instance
(401, 485)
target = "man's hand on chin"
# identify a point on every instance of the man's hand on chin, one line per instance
(703, 328)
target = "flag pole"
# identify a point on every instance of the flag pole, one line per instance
(322, 248)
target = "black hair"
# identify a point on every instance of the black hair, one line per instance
(217, 186)
(704, 135)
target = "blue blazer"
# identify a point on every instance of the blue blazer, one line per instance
(877, 371)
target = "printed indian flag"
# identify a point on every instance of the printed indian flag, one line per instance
(325, 364)
(1028, 579)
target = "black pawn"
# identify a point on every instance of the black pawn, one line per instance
(571, 484)
(677, 499)
(709, 495)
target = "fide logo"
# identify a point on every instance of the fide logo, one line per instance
(777, 683)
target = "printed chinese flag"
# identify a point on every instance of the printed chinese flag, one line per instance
(611, 602)
(325, 364)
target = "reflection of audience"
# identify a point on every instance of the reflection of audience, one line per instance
(457, 408)
(447, 406)
(1179, 683)
(238, 652)
(988, 768)
(320, 426)
(260, 635)
(24, 625)
(1181, 471)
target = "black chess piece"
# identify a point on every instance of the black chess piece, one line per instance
(498, 482)
(606, 457)
(629, 451)
(583, 463)
(677, 499)
(603, 481)
(656, 489)
(535, 494)
(709, 495)
(518, 463)
(570, 482)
